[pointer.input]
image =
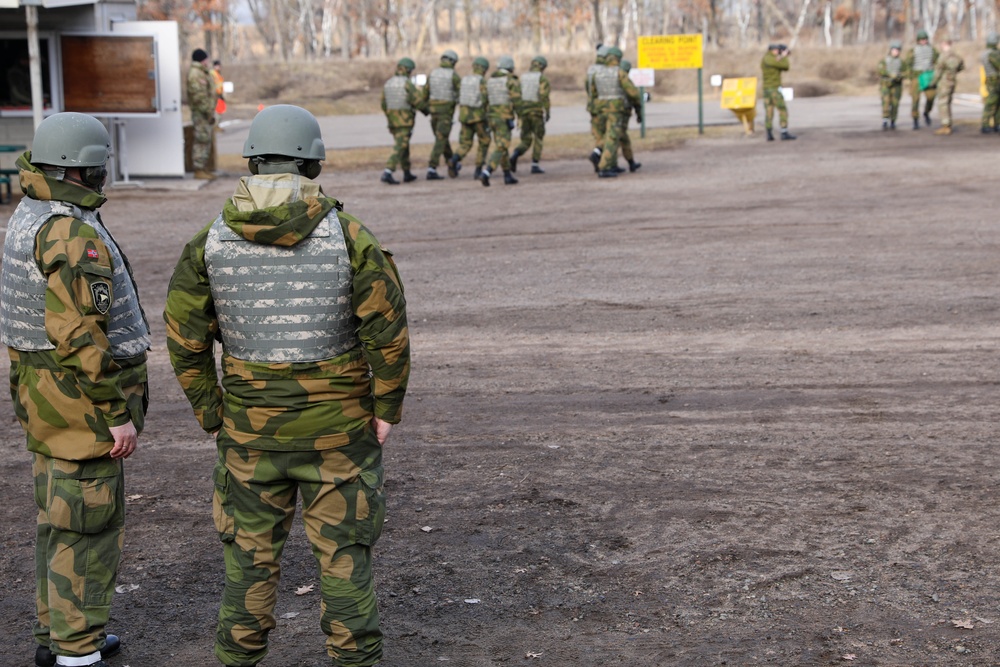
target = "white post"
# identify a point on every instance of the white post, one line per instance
(35, 63)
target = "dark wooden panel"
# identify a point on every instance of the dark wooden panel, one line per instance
(108, 75)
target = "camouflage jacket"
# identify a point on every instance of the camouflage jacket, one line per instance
(506, 111)
(771, 67)
(405, 117)
(66, 398)
(441, 107)
(470, 115)
(947, 68)
(891, 71)
(542, 106)
(201, 90)
(911, 56)
(300, 405)
(632, 99)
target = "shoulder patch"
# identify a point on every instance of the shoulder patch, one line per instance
(101, 292)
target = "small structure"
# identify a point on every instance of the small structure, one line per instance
(740, 97)
(94, 57)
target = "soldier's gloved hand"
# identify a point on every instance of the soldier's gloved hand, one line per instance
(548, 116)
(638, 116)
(510, 123)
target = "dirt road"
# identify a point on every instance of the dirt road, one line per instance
(738, 408)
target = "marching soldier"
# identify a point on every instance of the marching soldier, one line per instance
(440, 96)
(919, 67)
(400, 102)
(534, 111)
(503, 91)
(991, 65)
(594, 107)
(615, 94)
(945, 76)
(472, 102)
(890, 73)
(626, 141)
(775, 62)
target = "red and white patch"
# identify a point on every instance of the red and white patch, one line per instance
(92, 254)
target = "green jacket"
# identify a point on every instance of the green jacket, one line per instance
(67, 398)
(505, 111)
(543, 105)
(771, 67)
(439, 106)
(201, 90)
(946, 70)
(405, 117)
(885, 71)
(302, 405)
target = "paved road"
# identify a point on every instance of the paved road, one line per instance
(843, 113)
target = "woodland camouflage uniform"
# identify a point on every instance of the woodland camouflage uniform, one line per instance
(201, 99)
(293, 426)
(617, 97)
(991, 64)
(626, 141)
(891, 75)
(772, 66)
(533, 112)
(919, 60)
(401, 120)
(70, 384)
(595, 107)
(504, 93)
(472, 116)
(442, 111)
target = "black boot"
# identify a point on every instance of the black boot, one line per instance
(408, 177)
(607, 173)
(595, 157)
(477, 173)
(927, 118)
(535, 169)
(619, 170)
(916, 123)
(484, 178)
(513, 158)
(785, 136)
(892, 125)
(387, 178)
(454, 166)
(985, 129)
(885, 125)
(770, 135)
(508, 178)
(633, 165)
(45, 658)
(433, 175)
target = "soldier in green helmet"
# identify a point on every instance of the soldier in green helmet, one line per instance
(614, 95)
(310, 312)
(472, 105)
(891, 75)
(440, 96)
(626, 142)
(595, 107)
(775, 62)
(534, 111)
(503, 93)
(919, 67)
(991, 65)
(77, 340)
(400, 102)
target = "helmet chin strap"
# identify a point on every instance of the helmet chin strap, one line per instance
(297, 166)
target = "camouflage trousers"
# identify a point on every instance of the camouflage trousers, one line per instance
(471, 131)
(532, 135)
(616, 121)
(400, 155)
(945, 91)
(891, 94)
(79, 535)
(598, 121)
(201, 149)
(501, 144)
(991, 106)
(441, 124)
(773, 99)
(343, 508)
(626, 142)
(915, 91)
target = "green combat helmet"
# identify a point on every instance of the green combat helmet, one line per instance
(992, 40)
(922, 34)
(71, 139)
(407, 64)
(285, 139)
(896, 45)
(540, 61)
(614, 52)
(450, 55)
(506, 62)
(481, 62)
(625, 65)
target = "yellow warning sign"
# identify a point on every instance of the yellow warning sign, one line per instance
(739, 93)
(670, 52)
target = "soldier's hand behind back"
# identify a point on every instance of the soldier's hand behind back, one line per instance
(126, 440)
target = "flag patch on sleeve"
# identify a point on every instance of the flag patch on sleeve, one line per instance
(92, 253)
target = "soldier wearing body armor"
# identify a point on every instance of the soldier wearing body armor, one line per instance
(533, 111)
(594, 107)
(919, 67)
(626, 141)
(441, 95)
(891, 75)
(991, 67)
(472, 105)
(503, 93)
(775, 62)
(310, 311)
(945, 77)
(77, 339)
(400, 102)
(615, 95)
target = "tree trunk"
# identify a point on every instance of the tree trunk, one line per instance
(599, 27)
(536, 25)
